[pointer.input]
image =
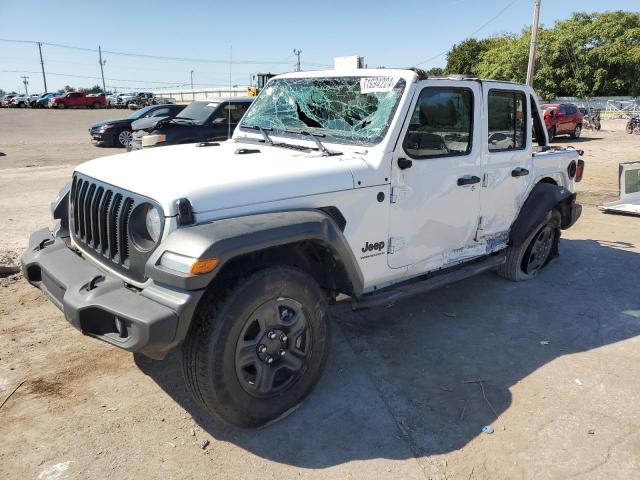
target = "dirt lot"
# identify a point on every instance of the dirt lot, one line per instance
(559, 358)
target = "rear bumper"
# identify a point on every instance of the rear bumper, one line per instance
(572, 216)
(150, 321)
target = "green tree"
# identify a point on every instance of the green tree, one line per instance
(588, 55)
(94, 89)
(435, 72)
(465, 57)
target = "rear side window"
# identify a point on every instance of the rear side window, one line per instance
(441, 124)
(507, 120)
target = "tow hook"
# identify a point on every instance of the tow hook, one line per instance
(44, 243)
(93, 282)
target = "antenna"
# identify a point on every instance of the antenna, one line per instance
(230, 81)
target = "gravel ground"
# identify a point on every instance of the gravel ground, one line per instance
(552, 364)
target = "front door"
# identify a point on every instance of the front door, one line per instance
(436, 178)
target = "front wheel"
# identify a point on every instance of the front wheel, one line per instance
(525, 261)
(124, 138)
(61, 106)
(256, 350)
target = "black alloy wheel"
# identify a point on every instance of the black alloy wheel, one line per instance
(272, 349)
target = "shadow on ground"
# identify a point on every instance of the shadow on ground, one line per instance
(396, 383)
(582, 139)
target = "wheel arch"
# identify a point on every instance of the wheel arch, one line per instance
(545, 196)
(307, 239)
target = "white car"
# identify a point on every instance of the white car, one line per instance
(364, 185)
(20, 101)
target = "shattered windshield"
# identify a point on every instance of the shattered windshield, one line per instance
(355, 110)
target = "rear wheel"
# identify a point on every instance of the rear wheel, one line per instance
(255, 351)
(525, 261)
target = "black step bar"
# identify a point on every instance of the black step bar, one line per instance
(428, 282)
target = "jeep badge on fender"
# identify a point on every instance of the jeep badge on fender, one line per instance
(370, 247)
(242, 280)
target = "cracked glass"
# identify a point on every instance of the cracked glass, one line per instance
(352, 110)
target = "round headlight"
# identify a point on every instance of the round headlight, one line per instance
(145, 226)
(152, 221)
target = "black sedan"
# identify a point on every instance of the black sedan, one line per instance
(202, 121)
(117, 133)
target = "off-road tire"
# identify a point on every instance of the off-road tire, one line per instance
(210, 349)
(514, 268)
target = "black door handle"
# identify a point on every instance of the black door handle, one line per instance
(468, 180)
(404, 163)
(519, 172)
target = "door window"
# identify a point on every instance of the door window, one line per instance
(160, 112)
(230, 111)
(507, 120)
(441, 124)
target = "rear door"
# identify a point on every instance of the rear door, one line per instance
(435, 178)
(507, 160)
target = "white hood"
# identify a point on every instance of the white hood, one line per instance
(216, 178)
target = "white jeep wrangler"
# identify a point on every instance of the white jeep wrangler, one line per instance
(367, 185)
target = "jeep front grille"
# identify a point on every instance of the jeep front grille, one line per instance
(99, 222)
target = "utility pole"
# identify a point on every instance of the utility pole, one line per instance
(25, 80)
(44, 77)
(297, 53)
(534, 42)
(102, 63)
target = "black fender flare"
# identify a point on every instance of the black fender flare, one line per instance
(543, 198)
(229, 238)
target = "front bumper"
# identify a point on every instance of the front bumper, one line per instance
(101, 136)
(151, 321)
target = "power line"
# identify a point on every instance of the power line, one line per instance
(159, 57)
(495, 17)
(94, 78)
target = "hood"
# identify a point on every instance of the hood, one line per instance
(215, 178)
(123, 121)
(146, 123)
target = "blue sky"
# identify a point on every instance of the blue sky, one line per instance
(388, 33)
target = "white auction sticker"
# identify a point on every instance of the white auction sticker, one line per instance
(376, 84)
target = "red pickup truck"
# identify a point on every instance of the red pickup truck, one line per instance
(77, 99)
(562, 119)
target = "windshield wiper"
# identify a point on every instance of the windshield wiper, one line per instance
(267, 138)
(325, 151)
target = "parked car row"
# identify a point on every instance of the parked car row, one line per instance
(170, 124)
(78, 99)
